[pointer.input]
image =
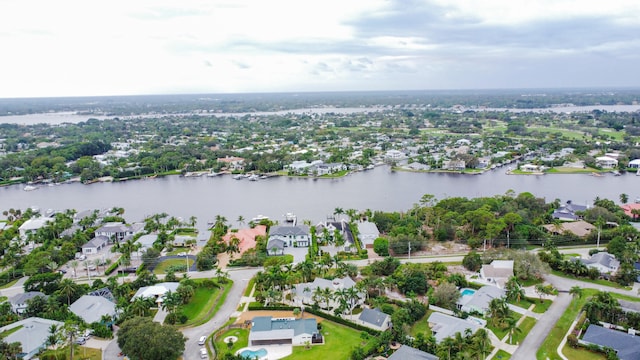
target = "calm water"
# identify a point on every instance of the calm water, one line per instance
(70, 117)
(377, 189)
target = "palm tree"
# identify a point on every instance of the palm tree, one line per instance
(74, 266)
(240, 220)
(511, 327)
(576, 291)
(498, 310)
(68, 288)
(338, 211)
(624, 198)
(481, 343)
(140, 306)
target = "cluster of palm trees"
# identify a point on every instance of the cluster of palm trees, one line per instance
(465, 346)
(501, 316)
(340, 300)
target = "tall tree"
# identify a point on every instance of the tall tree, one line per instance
(143, 339)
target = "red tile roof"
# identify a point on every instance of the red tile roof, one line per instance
(247, 237)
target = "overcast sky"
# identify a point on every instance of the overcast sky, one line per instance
(77, 48)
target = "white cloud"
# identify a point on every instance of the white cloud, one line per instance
(78, 47)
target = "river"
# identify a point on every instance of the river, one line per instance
(56, 118)
(312, 199)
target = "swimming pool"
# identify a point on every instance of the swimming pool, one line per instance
(467, 292)
(252, 354)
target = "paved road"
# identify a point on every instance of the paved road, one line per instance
(240, 280)
(533, 341)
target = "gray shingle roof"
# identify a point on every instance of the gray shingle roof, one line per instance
(22, 298)
(445, 326)
(299, 326)
(289, 230)
(91, 308)
(626, 345)
(373, 317)
(408, 353)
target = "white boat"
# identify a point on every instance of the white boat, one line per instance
(290, 217)
(254, 177)
(260, 218)
(214, 174)
(238, 177)
(30, 188)
(638, 172)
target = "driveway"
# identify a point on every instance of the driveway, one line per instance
(299, 253)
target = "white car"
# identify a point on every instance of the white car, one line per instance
(202, 340)
(203, 353)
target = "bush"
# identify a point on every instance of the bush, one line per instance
(472, 261)
(112, 267)
(572, 340)
(381, 246)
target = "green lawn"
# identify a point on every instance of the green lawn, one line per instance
(501, 355)
(202, 297)
(9, 284)
(3, 299)
(243, 341)
(422, 326)
(498, 331)
(339, 341)
(250, 285)
(548, 349)
(581, 353)
(80, 352)
(526, 326)
(163, 266)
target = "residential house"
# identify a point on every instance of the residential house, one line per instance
(606, 162)
(246, 237)
(92, 308)
(326, 169)
(634, 164)
(296, 236)
(567, 211)
(32, 225)
(455, 165)
(70, 231)
(579, 228)
(276, 247)
(367, 233)
(146, 241)
(530, 168)
(307, 292)
(603, 261)
(628, 209)
(341, 227)
(375, 319)
(480, 299)
(232, 163)
(498, 272)
(445, 326)
(408, 353)
(31, 333)
(394, 155)
(156, 292)
(298, 167)
(117, 232)
(94, 245)
(627, 346)
(266, 330)
(20, 302)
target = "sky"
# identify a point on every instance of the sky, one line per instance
(86, 48)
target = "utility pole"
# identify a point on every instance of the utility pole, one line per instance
(409, 250)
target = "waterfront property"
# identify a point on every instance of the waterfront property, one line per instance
(367, 233)
(295, 236)
(578, 228)
(247, 237)
(266, 330)
(117, 232)
(94, 245)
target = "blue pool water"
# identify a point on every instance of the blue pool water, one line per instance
(260, 353)
(466, 292)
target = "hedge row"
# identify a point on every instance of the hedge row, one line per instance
(278, 307)
(112, 267)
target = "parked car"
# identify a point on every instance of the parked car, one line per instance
(81, 340)
(203, 353)
(202, 340)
